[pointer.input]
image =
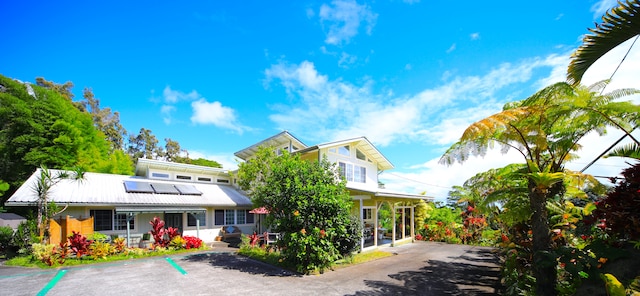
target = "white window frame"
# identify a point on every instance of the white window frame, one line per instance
(350, 171)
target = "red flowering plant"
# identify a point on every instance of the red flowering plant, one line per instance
(162, 236)
(79, 244)
(192, 242)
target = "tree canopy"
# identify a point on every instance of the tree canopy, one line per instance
(40, 126)
(307, 203)
(545, 129)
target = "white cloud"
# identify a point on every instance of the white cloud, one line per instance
(344, 19)
(337, 109)
(166, 111)
(214, 113)
(346, 60)
(451, 48)
(173, 96)
(474, 36)
(601, 7)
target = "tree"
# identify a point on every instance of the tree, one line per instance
(618, 25)
(104, 120)
(42, 127)
(545, 129)
(62, 89)
(144, 145)
(43, 186)
(172, 150)
(307, 203)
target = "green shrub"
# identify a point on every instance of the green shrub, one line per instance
(6, 234)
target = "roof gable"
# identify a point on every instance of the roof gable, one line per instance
(281, 140)
(364, 145)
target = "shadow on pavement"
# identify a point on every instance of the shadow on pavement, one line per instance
(471, 276)
(239, 263)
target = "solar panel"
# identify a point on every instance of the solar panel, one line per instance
(137, 187)
(162, 188)
(188, 189)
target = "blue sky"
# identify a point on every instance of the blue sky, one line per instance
(218, 76)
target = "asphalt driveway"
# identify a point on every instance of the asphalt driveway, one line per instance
(421, 268)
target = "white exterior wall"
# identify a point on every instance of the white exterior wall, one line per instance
(208, 232)
(372, 167)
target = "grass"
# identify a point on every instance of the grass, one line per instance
(273, 257)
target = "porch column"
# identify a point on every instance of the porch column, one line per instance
(395, 225)
(413, 222)
(361, 223)
(375, 225)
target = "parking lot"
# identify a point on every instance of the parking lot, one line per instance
(421, 268)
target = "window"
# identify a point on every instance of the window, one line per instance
(241, 216)
(183, 177)
(354, 173)
(366, 214)
(102, 219)
(360, 155)
(160, 175)
(333, 150)
(222, 181)
(344, 150)
(120, 222)
(191, 220)
(219, 217)
(107, 220)
(229, 217)
(204, 179)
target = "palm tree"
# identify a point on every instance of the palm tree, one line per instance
(545, 129)
(619, 25)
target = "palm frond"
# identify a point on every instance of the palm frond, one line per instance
(631, 150)
(618, 25)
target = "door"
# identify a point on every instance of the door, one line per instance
(173, 220)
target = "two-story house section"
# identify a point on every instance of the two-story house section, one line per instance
(359, 163)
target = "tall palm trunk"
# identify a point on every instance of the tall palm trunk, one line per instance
(544, 267)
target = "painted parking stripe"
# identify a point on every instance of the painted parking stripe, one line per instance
(52, 282)
(175, 265)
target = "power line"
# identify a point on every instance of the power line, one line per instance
(602, 90)
(412, 180)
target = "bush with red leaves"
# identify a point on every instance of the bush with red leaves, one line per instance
(618, 211)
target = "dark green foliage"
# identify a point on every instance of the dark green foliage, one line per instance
(203, 162)
(307, 205)
(6, 234)
(46, 128)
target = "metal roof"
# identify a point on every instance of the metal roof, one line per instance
(109, 189)
(143, 165)
(283, 138)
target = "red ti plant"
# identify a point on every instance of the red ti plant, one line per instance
(79, 244)
(172, 232)
(158, 231)
(162, 236)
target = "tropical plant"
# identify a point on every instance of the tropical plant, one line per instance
(545, 129)
(45, 182)
(618, 25)
(619, 209)
(307, 203)
(79, 244)
(192, 242)
(162, 236)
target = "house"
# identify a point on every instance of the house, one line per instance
(11, 220)
(359, 162)
(199, 200)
